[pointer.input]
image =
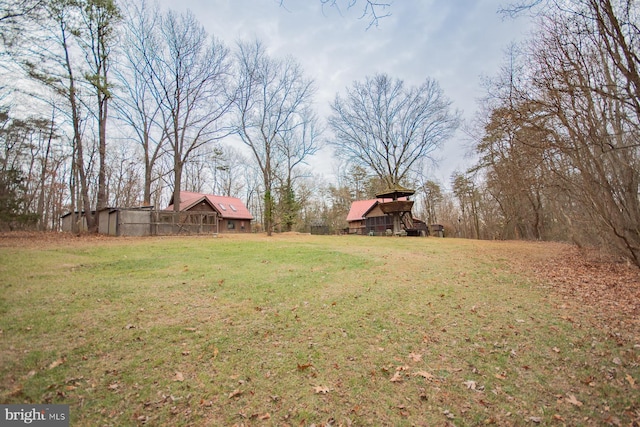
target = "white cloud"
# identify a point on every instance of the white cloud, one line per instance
(456, 42)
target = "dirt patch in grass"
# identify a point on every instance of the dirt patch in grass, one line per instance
(589, 281)
(28, 239)
(605, 287)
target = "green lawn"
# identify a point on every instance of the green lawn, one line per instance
(301, 330)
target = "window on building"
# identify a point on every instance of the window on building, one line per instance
(233, 208)
(222, 206)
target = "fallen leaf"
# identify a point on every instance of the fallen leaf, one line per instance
(415, 357)
(614, 421)
(178, 377)
(501, 376)
(319, 389)
(264, 417)
(471, 385)
(630, 380)
(556, 349)
(304, 366)
(235, 393)
(56, 363)
(617, 361)
(396, 378)
(572, 399)
(536, 420)
(424, 374)
(114, 386)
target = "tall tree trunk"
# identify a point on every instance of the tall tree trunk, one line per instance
(77, 136)
(148, 170)
(42, 223)
(177, 184)
(102, 153)
(268, 197)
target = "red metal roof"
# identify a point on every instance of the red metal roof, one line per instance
(360, 208)
(227, 207)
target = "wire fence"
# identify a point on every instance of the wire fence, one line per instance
(170, 223)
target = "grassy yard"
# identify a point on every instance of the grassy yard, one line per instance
(301, 330)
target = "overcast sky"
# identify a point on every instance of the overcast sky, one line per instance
(455, 42)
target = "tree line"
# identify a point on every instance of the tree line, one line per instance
(139, 101)
(132, 104)
(126, 105)
(557, 139)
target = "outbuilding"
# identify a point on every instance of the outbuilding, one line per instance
(225, 214)
(367, 217)
(198, 214)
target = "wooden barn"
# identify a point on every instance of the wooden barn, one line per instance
(198, 214)
(218, 214)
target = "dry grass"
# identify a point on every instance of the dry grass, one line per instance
(301, 330)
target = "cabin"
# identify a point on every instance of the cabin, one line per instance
(199, 214)
(367, 217)
(216, 214)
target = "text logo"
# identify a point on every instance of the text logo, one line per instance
(34, 415)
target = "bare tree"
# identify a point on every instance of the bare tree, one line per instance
(272, 106)
(137, 104)
(517, 176)
(296, 145)
(101, 18)
(432, 193)
(227, 167)
(32, 156)
(190, 76)
(13, 13)
(13, 9)
(587, 78)
(372, 10)
(466, 191)
(388, 128)
(66, 48)
(123, 176)
(574, 117)
(51, 59)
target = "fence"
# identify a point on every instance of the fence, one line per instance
(170, 223)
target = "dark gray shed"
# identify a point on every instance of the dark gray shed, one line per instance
(125, 221)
